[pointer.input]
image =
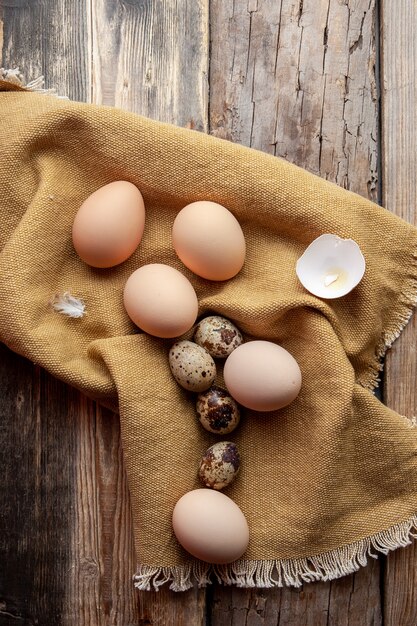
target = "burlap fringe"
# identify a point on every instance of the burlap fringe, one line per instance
(406, 305)
(279, 573)
(16, 77)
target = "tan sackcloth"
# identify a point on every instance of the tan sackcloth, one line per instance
(324, 482)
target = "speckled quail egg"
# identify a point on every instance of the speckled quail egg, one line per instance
(219, 465)
(191, 365)
(217, 411)
(217, 335)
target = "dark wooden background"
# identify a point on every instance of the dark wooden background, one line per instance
(327, 84)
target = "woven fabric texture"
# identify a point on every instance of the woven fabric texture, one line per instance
(333, 468)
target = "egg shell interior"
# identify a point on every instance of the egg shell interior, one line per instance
(331, 266)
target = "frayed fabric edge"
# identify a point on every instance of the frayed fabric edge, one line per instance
(279, 572)
(15, 77)
(406, 305)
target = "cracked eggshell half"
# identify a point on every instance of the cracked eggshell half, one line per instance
(331, 266)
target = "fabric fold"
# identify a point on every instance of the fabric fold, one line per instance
(325, 482)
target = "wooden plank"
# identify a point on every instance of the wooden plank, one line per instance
(48, 38)
(100, 589)
(297, 79)
(57, 575)
(399, 186)
(118, 42)
(349, 601)
(66, 557)
(32, 497)
(152, 58)
(1, 31)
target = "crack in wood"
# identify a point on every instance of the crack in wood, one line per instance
(326, 35)
(358, 43)
(300, 11)
(298, 85)
(320, 136)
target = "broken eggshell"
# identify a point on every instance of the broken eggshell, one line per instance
(331, 266)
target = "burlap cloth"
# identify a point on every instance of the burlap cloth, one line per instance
(324, 482)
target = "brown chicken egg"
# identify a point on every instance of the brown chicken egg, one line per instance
(160, 300)
(262, 376)
(210, 526)
(209, 240)
(108, 226)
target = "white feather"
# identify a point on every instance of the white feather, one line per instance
(66, 304)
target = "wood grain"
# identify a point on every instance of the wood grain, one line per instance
(349, 601)
(59, 568)
(297, 79)
(50, 39)
(151, 57)
(104, 52)
(399, 187)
